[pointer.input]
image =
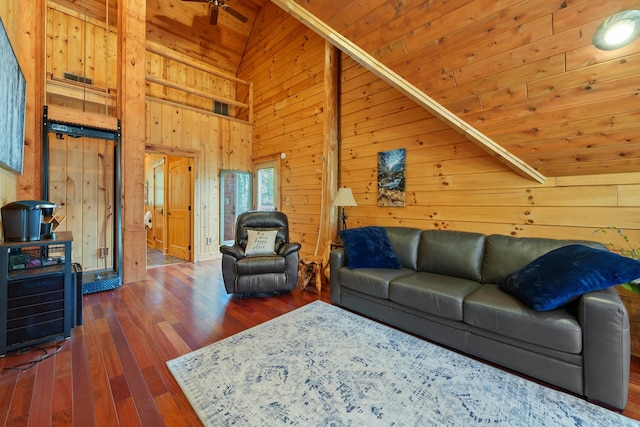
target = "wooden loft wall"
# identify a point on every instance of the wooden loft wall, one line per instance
(181, 123)
(285, 61)
(190, 129)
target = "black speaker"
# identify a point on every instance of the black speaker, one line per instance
(76, 317)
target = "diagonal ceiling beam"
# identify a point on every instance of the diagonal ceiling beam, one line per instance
(409, 90)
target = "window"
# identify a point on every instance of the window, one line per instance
(267, 183)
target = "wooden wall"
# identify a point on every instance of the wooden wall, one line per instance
(176, 122)
(81, 184)
(286, 63)
(451, 183)
(525, 73)
(81, 45)
(81, 170)
(215, 143)
(198, 80)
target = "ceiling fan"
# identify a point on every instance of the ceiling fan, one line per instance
(215, 7)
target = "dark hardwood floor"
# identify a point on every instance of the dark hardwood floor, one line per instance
(112, 371)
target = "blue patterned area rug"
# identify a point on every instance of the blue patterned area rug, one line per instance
(321, 365)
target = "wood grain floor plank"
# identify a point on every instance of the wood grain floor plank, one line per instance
(144, 402)
(82, 385)
(174, 413)
(128, 414)
(8, 381)
(21, 401)
(42, 403)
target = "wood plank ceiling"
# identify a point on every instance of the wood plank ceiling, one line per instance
(523, 72)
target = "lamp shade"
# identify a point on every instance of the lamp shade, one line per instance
(344, 198)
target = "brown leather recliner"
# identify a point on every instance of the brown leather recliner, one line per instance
(260, 273)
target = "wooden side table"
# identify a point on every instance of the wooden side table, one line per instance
(311, 270)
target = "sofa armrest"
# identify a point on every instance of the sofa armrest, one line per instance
(337, 259)
(289, 248)
(606, 347)
(235, 251)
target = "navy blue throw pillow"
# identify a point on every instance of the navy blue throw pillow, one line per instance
(368, 247)
(564, 274)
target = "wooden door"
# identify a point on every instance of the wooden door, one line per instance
(158, 205)
(179, 207)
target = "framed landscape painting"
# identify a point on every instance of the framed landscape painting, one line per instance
(391, 177)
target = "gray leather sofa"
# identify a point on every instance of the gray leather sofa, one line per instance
(446, 292)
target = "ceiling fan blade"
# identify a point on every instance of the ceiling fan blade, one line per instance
(236, 14)
(200, 1)
(213, 16)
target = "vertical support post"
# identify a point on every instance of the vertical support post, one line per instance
(331, 121)
(132, 111)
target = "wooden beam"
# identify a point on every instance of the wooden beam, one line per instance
(409, 90)
(202, 94)
(57, 113)
(73, 90)
(165, 53)
(331, 123)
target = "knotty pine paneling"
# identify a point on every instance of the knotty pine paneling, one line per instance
(184, 27)
(215, 143)
(81, 184)
(189, 77)
(525, 73)
(80, 45)
(453, 184)
(286, 63)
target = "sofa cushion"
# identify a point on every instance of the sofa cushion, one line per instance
(431, 293)
(368, 247)
(505, 254)
(370, 281)
(404, 241)
(562, 275)
(494, 310)
(452, 253)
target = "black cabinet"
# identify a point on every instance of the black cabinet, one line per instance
(37, 292)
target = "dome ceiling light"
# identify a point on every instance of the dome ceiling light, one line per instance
(617, 31)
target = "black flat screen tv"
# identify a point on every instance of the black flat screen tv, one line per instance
(13, 104)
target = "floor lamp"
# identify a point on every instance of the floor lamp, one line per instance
(344, 198)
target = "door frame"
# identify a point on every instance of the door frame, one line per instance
(195, 185)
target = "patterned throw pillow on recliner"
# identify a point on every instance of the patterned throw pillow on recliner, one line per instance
(261, 242)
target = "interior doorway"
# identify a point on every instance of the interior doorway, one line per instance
(168, 209)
